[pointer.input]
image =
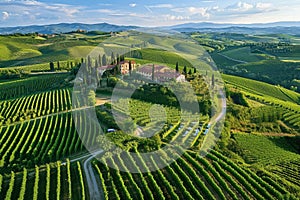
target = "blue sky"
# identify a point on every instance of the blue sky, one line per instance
(146, 13)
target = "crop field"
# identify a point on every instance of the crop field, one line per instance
(37, 105)
(21, 87)
(282, 101)
(41, 140)
(263, 150)
(52, 181)
(276, 154)
(190, 177)
(262, 89)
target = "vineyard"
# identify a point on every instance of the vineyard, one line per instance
(52, 181)
(44, 136)
(262, 89)
(282, 102)
(172, 130)
(30, 150)
(190, 177)
(36, 105)
(260, 150)
(41, 140)
(21, 87)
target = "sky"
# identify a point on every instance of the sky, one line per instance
(146, 13)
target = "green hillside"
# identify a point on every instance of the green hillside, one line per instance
(262, 89)
(243, 54)
(18, 50)
(162, 56)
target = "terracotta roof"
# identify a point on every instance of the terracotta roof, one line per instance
(127, 61)
(160, 72)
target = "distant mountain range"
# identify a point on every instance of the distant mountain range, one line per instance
(64, 28)
(226, 25)
(258, 28)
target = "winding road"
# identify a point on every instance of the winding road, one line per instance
(94, 192)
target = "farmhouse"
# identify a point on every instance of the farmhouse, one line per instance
(124, 66)
(161, 73)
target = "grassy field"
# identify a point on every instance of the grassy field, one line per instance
(27, 50)
(243, 54)
(161, 56)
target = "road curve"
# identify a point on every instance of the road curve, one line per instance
(94, 192)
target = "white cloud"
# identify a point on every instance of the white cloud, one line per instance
(26, 5)
(161, 6)
(201, 11)
(263, 6)
(190, 11)
(132, 5)
(240, 7)
(176, 17)
(106, 11)
(31, 2)
(246, 7)
(5, 15)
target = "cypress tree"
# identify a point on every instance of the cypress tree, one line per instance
(52, 67)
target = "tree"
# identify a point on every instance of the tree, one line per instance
(112, 58)
(58, 65)
(118, 58)
(99, 60)
(153, 72)
(190, 72)
(52, 67)
(213, 80)
(195, 70)
(89, 62)
(130, 67)
(104, 60)
(177, 67)
(122, 58)
(116, 70)
(184, 69)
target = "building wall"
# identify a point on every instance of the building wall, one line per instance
(125, 67)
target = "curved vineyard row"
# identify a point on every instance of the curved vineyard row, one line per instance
(190, 177)
(18, 88)
(47, 182)
(41, 141)
(36, 105)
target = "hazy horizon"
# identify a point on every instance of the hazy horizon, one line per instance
(147, 14)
